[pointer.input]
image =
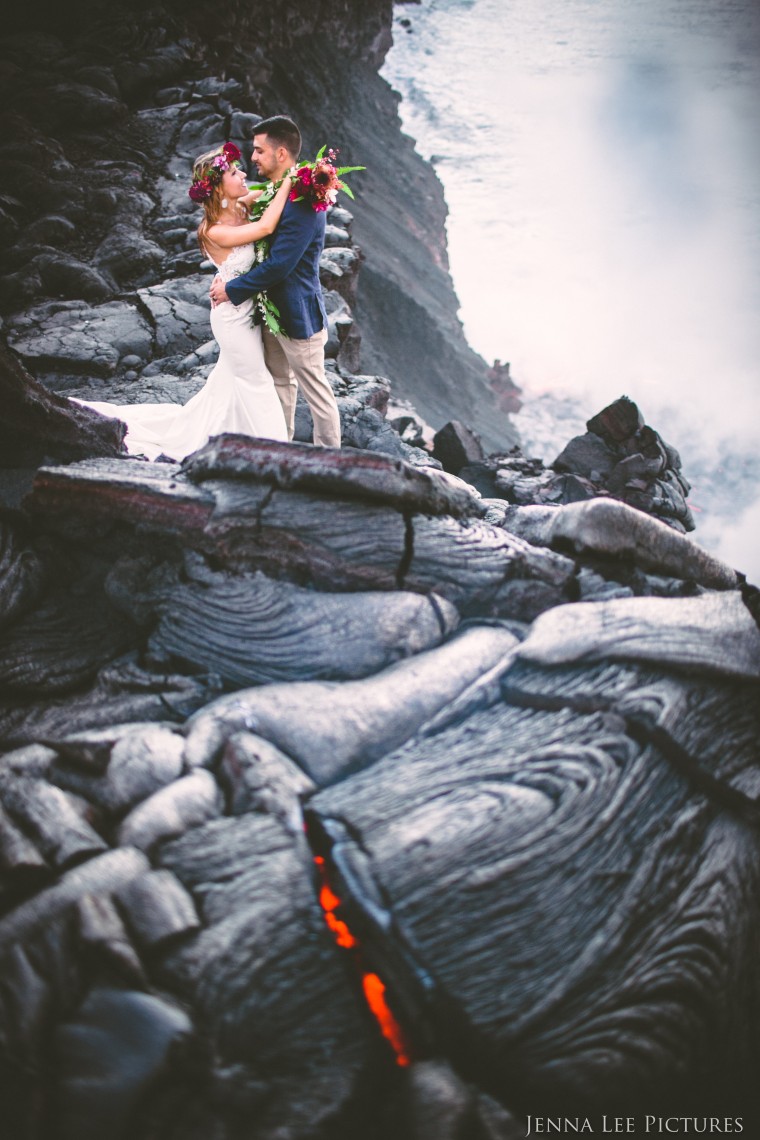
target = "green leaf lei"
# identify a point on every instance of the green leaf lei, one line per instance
(264, 310)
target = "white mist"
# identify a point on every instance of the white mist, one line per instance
(601, 162)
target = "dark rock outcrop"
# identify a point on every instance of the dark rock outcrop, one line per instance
(619, 457)
(37, 425)
(630, 461)
(455, 446)
(104, 112)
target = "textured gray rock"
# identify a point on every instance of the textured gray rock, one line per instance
(186, 803)
(551, 807)
(158, 909)
(51, 818)
(74, 337)
(141, 762)
(349, 473)
(714, 634)
(259, 777)
(587, 455)
(338, 267)
(343, 342)
(87, 105)
(251, 630)
(469, 562)
(456, 447)
(61, 644)
(21, 574)
(638, 468)
(126, 255)
(625, 458)
(179, 311)
(65, 276)
(607, 527)
(121, 692)
(109, 1053)
(469, 774)
(104, 874)
(331, 729)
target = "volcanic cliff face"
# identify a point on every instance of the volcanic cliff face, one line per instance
(106, 104)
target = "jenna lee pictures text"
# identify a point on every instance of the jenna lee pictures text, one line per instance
(633, 1125)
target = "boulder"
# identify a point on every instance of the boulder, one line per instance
(456, 446)
(128, 256)
(65, 276)
(623, 457)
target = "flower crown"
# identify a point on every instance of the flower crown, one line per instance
(203, 184)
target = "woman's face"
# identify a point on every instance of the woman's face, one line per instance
(234, 184)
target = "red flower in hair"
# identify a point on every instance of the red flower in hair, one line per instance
(201, 190)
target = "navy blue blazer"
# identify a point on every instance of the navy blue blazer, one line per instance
(290, 274)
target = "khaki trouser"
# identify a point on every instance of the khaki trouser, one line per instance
(295, 363)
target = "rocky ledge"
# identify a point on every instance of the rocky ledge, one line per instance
(294, 736)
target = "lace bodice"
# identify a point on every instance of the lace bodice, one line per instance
(239, 260)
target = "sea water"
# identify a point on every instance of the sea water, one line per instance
(601, 164)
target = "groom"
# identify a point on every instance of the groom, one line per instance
(290, 274)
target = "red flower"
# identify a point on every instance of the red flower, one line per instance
(231, 152)
(201, 190)
(318, 182)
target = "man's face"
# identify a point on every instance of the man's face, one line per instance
(266, 157)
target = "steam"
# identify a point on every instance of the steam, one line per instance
(617, 258)
(602, 170)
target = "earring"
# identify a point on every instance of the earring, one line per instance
(225, 203)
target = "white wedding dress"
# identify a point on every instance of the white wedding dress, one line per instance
(239, 395)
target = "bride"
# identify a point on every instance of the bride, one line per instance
(239, 395)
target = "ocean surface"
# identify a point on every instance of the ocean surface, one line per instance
(601, 164)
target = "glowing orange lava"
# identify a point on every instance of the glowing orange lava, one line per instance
(373, 987)
(343, 935)
(374, 992)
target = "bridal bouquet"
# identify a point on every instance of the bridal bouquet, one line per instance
(317, 182)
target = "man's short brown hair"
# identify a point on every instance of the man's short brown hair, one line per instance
(281, 131)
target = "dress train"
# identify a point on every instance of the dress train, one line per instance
(239, 395)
